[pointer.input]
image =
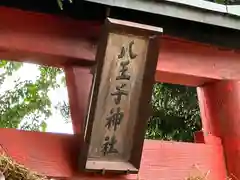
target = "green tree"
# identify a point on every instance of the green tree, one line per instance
(175, 113)
(27, 100)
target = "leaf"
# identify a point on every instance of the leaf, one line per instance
(60, 4)
(44, 126)
(176, 113)
(27, 105)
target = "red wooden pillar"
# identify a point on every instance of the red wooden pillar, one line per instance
(220, 111)
(79, 81)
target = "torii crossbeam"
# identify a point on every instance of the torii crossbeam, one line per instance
(71, 44)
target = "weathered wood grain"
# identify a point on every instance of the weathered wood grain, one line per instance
(123, 85)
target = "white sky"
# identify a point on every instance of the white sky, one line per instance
(56, 122)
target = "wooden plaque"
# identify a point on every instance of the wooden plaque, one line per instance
(119, 106)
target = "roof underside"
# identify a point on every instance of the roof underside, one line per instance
(194, 10)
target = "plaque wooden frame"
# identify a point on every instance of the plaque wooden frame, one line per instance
(143, 108)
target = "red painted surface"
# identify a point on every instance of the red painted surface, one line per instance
(58, 41)
(45, 39)
(199, 137)
(207, 138)
(79, 82)
(220, 105)
(53, 40)
(191, 63)
(56, 155)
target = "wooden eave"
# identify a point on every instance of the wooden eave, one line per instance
(180, 19)
(198, 10)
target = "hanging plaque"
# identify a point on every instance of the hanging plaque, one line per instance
(119, 106)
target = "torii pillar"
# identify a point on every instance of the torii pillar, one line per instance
(220, 112)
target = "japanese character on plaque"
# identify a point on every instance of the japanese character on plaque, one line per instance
(119, 92)
(125, 55)
(108, 146)
(114, 119)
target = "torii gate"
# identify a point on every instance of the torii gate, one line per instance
(67, 43)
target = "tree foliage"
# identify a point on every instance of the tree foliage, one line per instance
(227, 2)
(60, 3)
(175, 113)
(26, 105)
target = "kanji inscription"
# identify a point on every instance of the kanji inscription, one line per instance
(115, 104)
(115, 117)
(119, 92)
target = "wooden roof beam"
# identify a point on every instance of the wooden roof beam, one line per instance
(45, 39)
(62, 41)
(190, 63)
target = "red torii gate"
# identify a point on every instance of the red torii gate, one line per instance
(70, 44)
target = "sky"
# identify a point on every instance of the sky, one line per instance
(56, 122)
